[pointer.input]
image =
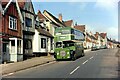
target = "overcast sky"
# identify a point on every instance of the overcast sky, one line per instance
(97, 15)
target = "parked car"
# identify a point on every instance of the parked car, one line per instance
(98, 47)
(93, 48)
(103, 47)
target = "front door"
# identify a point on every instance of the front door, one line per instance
(5, 52)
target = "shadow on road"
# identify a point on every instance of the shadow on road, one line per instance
(118, 55)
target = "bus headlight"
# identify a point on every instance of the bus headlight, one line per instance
(68, 57)
(57, 53)
(67, 52)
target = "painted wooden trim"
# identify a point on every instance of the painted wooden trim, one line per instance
(18, 9)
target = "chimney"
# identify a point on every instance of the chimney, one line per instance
(76, 24)
(60, 17)
(39, 11)
(97, 33)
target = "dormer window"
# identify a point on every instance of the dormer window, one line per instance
(12, 23)
(28, 22)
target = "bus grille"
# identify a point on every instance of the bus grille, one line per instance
(62, 53)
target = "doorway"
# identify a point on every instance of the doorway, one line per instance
(5, 52)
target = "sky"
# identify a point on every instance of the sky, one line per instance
(97, 15)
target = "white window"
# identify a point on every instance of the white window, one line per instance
(12, 23)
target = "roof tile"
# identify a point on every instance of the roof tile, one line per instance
(103, 35)
(68, 23)
(80, 27)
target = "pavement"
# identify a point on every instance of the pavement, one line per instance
(87, 50)
(17, 66)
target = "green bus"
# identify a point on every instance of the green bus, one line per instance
(68, 43)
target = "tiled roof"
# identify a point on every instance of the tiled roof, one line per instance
(88, 34)
(41, 17)
(88, 40)
(96, 36)
(54, 18)
(68, 23)
(4, 2)
(103, 35)
(43, 32)
(93, 37)
(80, 27)
(21, 3)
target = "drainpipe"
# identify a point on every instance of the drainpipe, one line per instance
(1, 44)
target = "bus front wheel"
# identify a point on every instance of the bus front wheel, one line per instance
(83, 54)
(73, 56)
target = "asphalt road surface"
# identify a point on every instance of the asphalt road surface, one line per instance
(95, 64)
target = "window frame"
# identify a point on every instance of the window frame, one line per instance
(43, 43)
(12, 23)
(51, 40)
(30, 20)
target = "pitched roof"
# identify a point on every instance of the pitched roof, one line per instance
(6, 5)
(96, 35)
(53, 18)
(103, 35)
(88, 40)
(93, 37)
(21, 3)
(80, 27)
(88, 34)
(43, 32)
(41, 17)
(68, 23)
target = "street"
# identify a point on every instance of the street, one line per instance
(95, 64)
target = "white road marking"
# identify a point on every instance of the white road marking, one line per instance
(75, 70)
(85, 62)
(91, 57)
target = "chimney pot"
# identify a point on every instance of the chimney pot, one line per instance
(60, 17)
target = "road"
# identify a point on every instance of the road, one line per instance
(95, 64)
